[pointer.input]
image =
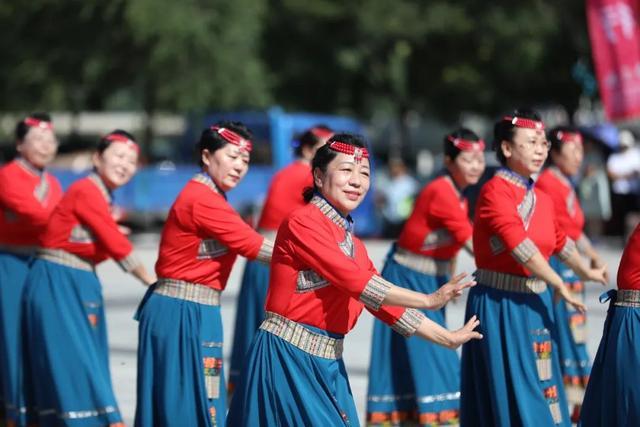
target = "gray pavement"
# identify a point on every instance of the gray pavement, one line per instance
(123, 293)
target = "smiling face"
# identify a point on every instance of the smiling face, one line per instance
(226, 166)
(527, 152)
(38, 147)
(117, 164)
(467, 168)
(345, 182)
(569, 158)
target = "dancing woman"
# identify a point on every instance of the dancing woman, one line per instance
(413, 380)
(513, 376)
(321, 279)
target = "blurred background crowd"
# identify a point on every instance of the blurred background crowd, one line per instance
(403, 73)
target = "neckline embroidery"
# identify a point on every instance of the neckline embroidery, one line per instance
(515, 179)
(106, 193)
(205, 179)
(330, 212)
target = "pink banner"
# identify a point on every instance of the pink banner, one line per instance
(615, 42)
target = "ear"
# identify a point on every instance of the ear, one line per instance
(204, 156)
(506, 148)
(448, 161)
(318, 176)
(95, 159)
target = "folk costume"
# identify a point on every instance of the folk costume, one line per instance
(180, 366)
(512, 376)
(321, 279)
(613, 393)
(27, 198)
(571, 324)
(413, 380)
(65, 321)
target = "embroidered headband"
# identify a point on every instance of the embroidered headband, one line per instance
(37, 123)
(467, 145)
(122, 139)
(569, 137)
(357, 152)
(524, 123)
(321, 133)
(233, 138)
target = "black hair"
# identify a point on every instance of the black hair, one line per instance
(504, 130)
(22, 128)
(212, 141)
(552, 136)
(309, 138)
(104, 142)
(451, 150)
(325, 155)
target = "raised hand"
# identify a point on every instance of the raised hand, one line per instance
(466, 333)
(452, 289)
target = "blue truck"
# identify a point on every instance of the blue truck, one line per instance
(152, 191)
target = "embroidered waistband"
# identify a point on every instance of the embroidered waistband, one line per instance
(421, 263)
(628, 298)
(18, 250)
(188, 291)
(63, 257)
(510, 282)
(301, 337)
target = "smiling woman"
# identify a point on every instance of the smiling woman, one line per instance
(321, 279)
(64, 312)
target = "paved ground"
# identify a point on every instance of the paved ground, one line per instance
(122, 294)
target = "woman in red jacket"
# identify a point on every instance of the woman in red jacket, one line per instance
(28, 194)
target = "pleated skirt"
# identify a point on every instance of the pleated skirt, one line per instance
(13, 273)
(411, 380)
(66, 347)
(572, 337)
(612, 397)
(283, 385)
(180, 372)
(512, 376)
(249, 315)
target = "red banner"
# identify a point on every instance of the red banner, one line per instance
(615, 42)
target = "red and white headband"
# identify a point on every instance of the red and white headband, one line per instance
(358, 153)
(233, 138)
(466, 145)
(520, 122)
(569, 137)
(37, 123)
(122, 139)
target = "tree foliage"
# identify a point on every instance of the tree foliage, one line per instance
(325, 55)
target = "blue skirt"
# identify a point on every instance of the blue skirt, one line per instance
(285, 386)
(512, 376)
(612, 397)
(253, 293)
(411, 379)
(13, 273)
(180, 374)
(572, 337)
(67, 347)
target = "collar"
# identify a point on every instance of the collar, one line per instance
(29, 167)
(332, 213)
(515, 179)
(95, 178)
(204, 178)
(455, 187)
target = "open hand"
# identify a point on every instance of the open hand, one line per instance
(466, 333)
(563, 292)
(452, 289)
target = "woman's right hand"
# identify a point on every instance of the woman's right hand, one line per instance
(563, 292)
(464, 334)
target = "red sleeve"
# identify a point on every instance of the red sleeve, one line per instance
(564, 245)
(220, 220)
(93, 211)
(498, 210)
(21, 200)
(446, 209)
(389, 314)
